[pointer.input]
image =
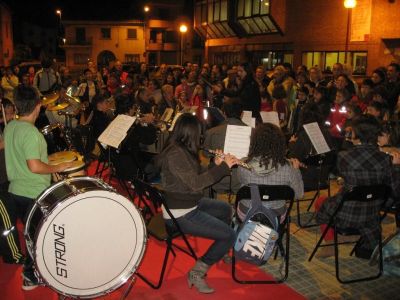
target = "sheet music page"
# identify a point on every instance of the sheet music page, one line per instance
(116, 131)
(317, 138)
(167, 114)
(270, 117)
(174, 121)
(237, 140)
(247, 119)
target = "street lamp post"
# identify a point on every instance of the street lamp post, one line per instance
(59, 31)
(183, 29)
(146, 10)
(349, 5)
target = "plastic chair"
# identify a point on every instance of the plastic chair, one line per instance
(157, 228)
(360, 194)
(270, 193)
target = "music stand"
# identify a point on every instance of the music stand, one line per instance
(214, 117)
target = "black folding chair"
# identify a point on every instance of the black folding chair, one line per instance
(394, 209)
(269, 193)
(323, 163)
(157, 228)
(365, 194)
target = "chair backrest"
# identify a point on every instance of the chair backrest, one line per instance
(267, 193)
(156, 197)
(367, 193)
(149, 192)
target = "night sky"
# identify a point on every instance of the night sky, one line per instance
(42, 12)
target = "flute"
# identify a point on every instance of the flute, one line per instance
(222, 155)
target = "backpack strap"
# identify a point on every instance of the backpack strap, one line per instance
(257, 206)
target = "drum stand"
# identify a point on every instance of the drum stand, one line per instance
(68, 128)
(129, 287)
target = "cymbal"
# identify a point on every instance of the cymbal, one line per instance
(50, 98)
(58, 106)
(61, 157)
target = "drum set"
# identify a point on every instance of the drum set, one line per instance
(61, 111)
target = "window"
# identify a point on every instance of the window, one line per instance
(105, 33)
(359, 63)
(326, 59)
(269, 59)
(131, 58)
(132, 33)
(153, 36)
(211, 18)
(81, 58)
(254, 17)
(170, 37)
(80, 35)
(229, 58)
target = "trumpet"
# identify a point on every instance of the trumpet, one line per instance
(222, 155)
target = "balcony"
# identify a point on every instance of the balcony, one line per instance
(160, 46)
(87, 43)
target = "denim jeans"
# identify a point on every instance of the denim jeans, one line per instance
(211, 220)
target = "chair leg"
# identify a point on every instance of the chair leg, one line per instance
(319, 242)
(337, 270)
(306, 225)
(313, 199)
(164, 266)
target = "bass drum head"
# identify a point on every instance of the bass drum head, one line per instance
(90, 244)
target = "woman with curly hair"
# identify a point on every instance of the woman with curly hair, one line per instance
(267, 159)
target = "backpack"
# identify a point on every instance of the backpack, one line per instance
(391, 255)
(257, 235)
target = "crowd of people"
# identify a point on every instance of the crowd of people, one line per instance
(359, 120)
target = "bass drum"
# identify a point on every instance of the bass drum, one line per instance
(85, 239)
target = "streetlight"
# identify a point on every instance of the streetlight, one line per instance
(183, 29)
(60, 31)
(349, 5)
(146, 10)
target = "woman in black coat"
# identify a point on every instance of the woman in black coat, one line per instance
(248, 91)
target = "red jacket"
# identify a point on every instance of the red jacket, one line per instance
(336, 119)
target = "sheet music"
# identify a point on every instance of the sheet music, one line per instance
(174, 121)
(247, 119)
(317, 138)
(237, 140)
(270, 117)
(117, 130)
(167, 114)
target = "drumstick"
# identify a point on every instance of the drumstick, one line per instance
(4, 114)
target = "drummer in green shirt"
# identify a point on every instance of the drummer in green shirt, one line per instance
(26, 162)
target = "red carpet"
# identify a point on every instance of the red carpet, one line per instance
(174, 285)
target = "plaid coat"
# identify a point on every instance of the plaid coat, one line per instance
(361, 165)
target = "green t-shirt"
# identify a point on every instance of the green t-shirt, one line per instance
(23, 141)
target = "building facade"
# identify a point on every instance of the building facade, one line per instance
(165, 43)
(312, 32)
(6, 35)
(103, 42)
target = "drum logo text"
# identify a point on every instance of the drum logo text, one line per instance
(59, 250)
